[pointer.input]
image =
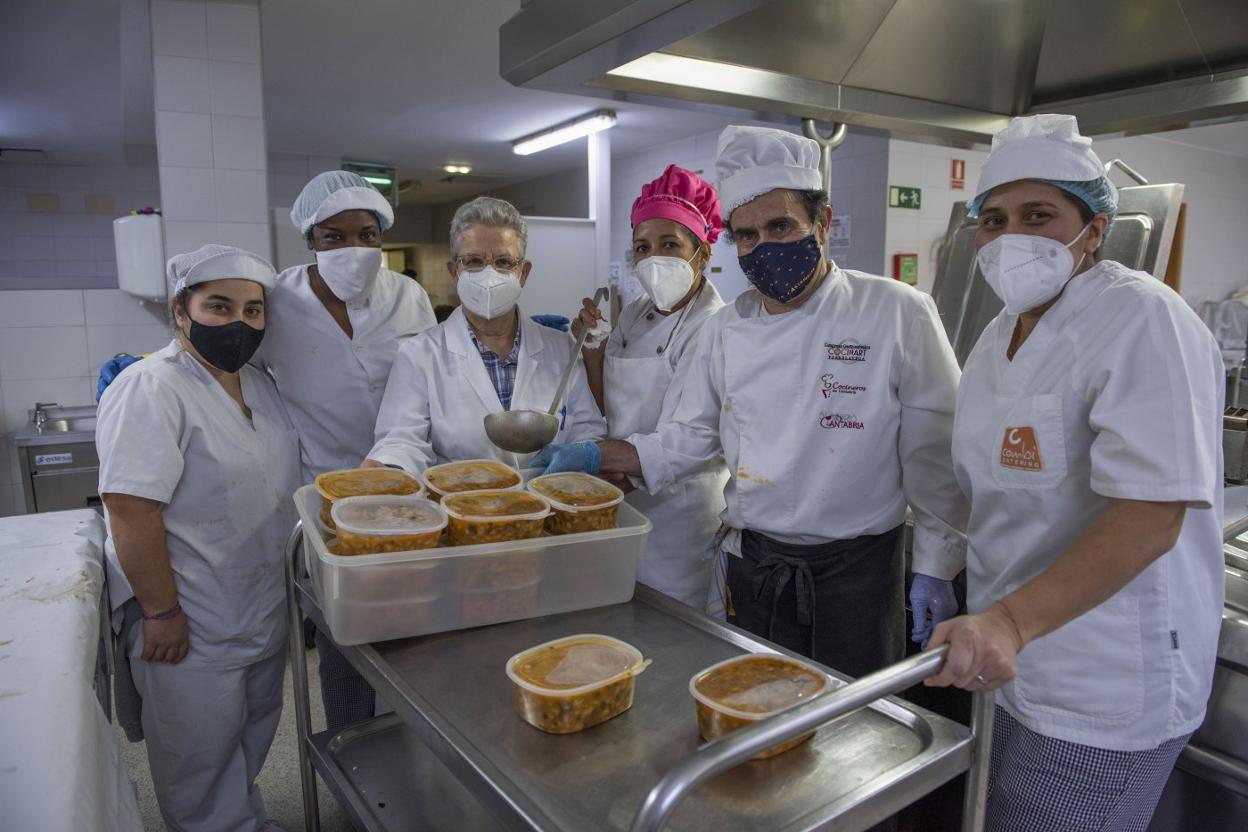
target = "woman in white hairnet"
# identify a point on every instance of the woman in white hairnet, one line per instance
(634, 372)
(486, 357)
(1087, 438)
(198, 460)
(335, 327)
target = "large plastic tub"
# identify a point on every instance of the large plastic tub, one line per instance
(368, 598)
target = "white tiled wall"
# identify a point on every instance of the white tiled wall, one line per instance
(67, 248)
(907, 231)
(210, 125)
(52, 344)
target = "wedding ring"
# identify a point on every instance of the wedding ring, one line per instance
(979, 677)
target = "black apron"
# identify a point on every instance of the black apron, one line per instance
(840, 603)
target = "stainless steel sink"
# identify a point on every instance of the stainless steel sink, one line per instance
(86, 423)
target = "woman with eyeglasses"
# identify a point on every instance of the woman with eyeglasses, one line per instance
(486, 357)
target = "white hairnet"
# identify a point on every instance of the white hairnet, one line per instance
(750, 161)
(333, 192)
(214, 262)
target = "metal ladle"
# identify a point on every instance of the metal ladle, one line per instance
(528, 431)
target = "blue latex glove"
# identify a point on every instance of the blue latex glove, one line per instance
(577, 456)
(932, 601)
(110, 369)
(553, 321)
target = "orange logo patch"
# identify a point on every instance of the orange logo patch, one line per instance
(1019, 449)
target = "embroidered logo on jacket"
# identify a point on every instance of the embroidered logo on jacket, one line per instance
(831, 387)
(847, 352)
(841, 421)
(1019, 449)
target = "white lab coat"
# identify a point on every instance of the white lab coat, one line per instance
(167, 431)
(642, 356)
(332, 384)
(1117, 393)
(831, 418)
(440, 392)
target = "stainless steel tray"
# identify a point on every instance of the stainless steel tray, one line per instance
(451, 692)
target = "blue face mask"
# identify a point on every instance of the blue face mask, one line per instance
(781, 270)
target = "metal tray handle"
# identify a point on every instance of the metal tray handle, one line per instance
(726, 752)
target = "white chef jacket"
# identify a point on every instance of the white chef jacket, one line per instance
(831, 418)
(1117, 393)
(439, 393)
(167, 431)
(332, 384)
(643, 353)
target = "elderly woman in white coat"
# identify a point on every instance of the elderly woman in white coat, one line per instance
(1088, 440)
(675, 220)
(198, 460)
(486, 357)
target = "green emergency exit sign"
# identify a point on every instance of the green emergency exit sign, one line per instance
(899, 196)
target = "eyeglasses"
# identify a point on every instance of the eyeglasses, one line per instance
(475, 262)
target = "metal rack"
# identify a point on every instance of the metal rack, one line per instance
(454, 754)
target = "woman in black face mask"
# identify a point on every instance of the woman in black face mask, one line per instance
(198, 460)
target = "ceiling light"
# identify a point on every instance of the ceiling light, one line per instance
(461, 169)
(594, 122)
(383, 181)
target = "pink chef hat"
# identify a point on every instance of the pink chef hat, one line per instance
(683, 196)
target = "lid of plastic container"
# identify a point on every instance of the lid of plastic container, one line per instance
(757, 684)
(357, 482)
(471, 475)
(573, 664)
(574, 491)
(499, 504)
(388, 515)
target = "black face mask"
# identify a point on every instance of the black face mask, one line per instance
(228, 346)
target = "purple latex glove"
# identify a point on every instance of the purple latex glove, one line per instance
(932, 601)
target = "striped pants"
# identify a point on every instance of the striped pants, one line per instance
(1040, 784)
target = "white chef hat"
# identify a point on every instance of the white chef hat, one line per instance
(1045, 146)
(750, 161)
(215, 262)
(333, 192)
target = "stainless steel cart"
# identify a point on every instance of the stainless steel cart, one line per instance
(455, 755)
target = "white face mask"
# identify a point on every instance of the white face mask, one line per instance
(349, 272)
(666, 279)
(1027, 271)
(488, 293)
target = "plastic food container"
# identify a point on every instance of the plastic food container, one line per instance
(578, 502)
(470, 475)
(494, 516)
(369, 525)
(572, 683)
(415, 593)
(745, 689)
(358, 482)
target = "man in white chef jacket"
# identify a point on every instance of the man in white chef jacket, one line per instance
(334, 328)
(830, 394)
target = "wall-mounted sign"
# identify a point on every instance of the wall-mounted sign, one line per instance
(957, 174)
(906, 268)
(900, 196)
(838, 232)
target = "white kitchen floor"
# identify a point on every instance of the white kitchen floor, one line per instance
(279, 780)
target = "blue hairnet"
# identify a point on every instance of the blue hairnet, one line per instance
(1098, 194)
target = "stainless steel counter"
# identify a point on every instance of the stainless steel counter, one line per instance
(451, 694)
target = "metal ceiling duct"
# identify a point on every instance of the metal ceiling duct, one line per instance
(954, 69)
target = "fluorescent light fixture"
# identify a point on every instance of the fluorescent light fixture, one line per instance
(457, 169)
(594, 122)
(383, 181)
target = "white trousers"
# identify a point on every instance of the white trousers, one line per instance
(208, 730)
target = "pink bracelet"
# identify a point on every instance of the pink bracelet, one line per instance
(165, 615)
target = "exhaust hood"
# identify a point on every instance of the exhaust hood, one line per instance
(951, 69)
